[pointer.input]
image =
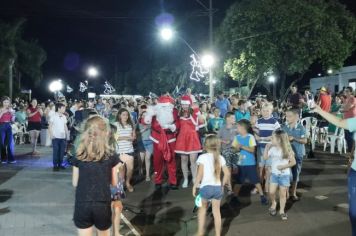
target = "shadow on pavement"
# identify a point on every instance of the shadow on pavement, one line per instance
(230, 211)
(5, 194)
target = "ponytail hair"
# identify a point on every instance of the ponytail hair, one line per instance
(212, 145)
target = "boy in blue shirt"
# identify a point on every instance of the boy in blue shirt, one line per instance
(245, 144)
(242, 112)
(296, 133)
(214, 124)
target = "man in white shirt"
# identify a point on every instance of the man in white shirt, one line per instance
(58, 132)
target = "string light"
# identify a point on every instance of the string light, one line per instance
(82, 87)
(198, 71)
(109, 89)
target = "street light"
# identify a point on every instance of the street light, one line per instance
(92, 72)
(271, 79)
(330, 71)
(207, 60)
(166, 33)
(55, 86)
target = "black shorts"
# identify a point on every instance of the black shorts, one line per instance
(87, 214)
(247, 173)
(34, 126)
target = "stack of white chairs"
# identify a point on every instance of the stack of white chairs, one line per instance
(337, 138)
(310, 125)
(20, 133)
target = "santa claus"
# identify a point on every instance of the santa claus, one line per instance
(164, 121)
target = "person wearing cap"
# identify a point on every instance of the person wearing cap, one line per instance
(188, 141)
(324, 100)
(164, 121)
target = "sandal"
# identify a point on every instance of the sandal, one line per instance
(294, 198)
(284, 216)
(130, 188)
(272, 211)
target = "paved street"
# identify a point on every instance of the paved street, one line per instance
(36, 201)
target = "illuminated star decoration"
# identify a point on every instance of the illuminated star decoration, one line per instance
(152, 95)
(109, 89)
(198, 71)
(82, 87)
(69, 89)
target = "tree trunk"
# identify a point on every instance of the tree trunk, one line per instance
(282, 79)
(253, 85)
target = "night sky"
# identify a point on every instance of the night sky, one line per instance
(76, 34)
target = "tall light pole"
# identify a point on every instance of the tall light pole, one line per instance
(11, 65)
(211, 72)
(272, 79)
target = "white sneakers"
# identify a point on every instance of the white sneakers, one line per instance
(185, 183)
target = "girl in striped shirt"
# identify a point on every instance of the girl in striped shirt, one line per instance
(125, 136)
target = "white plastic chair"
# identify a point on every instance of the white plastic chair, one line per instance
(310, 125)
(338, 138)
(341, 142)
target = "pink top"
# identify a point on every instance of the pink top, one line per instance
(6, 117)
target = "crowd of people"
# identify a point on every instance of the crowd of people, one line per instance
(244, 140)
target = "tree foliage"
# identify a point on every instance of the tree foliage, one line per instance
(28, 55)
(285, 36)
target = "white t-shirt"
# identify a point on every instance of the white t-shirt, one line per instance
(275, 155)
(58, 124)
(207, 160)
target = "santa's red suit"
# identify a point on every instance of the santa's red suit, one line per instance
(164, 124)
(188, 140)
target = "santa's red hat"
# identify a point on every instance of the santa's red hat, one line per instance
(186, 100)
(165, 99)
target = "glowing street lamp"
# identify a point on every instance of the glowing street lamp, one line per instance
(92, 72)
(166, 33)
(330, 71)
(55, 86)
(272, 79)
(207, 60)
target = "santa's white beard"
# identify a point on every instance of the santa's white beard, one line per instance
(164, 114)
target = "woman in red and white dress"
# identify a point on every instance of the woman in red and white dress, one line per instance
(188, 141)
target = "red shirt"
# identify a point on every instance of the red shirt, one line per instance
(36, 117)
(351, 113)
(325, 102)
(6, 117)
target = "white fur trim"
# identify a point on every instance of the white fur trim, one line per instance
(187, 153)
(156, 141)
(185, 102)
